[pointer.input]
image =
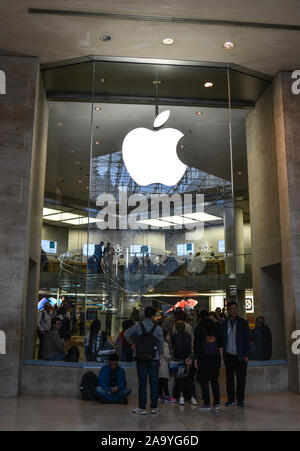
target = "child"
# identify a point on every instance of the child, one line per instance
(163, 383)
(185, 381)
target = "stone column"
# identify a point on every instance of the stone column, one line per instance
(287, 139)
(22, 171)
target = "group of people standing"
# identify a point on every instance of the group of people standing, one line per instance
(192, 355)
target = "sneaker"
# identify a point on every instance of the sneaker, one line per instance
(229, 404)
(181, 401)
(217, 407)
(139, 411)
(154, 411)
(193, 401)
(241, 404)
(169, 400)
(161, 399)
(205, 408)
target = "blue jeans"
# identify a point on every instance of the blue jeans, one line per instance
(143, 369)
(112, 397)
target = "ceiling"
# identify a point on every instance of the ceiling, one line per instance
(60, 37)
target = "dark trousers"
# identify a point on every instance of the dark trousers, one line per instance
(163, 386)
(235, 367)
(186, 386)
(144, 369)
(205, 390)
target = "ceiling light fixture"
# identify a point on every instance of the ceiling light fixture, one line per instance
(105, 38)
(228, 45)
(201, 216)
(61, 217)
(208, 84)
(199, 113)
(97, 108)
(168, 41)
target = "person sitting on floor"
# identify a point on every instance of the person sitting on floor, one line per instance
(185, 381)
(53, 344)
(112, 383)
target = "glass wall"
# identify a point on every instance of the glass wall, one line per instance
(146, 199)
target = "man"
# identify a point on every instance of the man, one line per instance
(43, 325)
(236, 340)
(112, 383)
(98, 253)
(261, 341)
(148, 341)
(53, 344)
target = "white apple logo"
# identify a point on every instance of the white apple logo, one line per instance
(150, 156)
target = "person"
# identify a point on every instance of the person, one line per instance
(185, 381)
(64, 316)
(121, 264)
(148, 340)
(81, 321)
(44, 321)
(221, 317)
(123, 348)
(53, 344)
(95, 342)
(135, 314)
(208, 342)
(181, 342)
(112, 386)
(163, 381)
(98, 254)
(177, 315)
(44, 260)
(261, 341)
(236, 347)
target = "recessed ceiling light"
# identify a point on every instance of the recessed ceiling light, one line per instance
(60, 124)
(228, 45)
(168, 41)
(105, 38)
(208, 84)
(97, 108)
(97, 142)
(182, 146)
(102, 80)
(240, 172)
(199, 113)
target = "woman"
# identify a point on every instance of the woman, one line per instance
(181, 342)
(208, 360)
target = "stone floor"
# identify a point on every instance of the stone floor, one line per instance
(263, 412)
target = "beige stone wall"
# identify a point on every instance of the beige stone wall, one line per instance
(264, 216)
(287, 134)
(20, 196)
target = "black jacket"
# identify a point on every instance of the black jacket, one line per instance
(242, 337)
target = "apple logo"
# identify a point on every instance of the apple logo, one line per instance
(150, 155)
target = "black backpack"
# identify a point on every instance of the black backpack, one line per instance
(210, 347)
(146, 344)
(72, 354)
(89, 383)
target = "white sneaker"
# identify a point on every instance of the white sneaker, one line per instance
(205, 408)
(181, 401)
(154, 411)
(193, 401)
(139, 411)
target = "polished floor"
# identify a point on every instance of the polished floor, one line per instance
(264, 412)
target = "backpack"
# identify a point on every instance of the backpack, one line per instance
(72, 354)
(89, 383)
(210, 347)
(146, 344)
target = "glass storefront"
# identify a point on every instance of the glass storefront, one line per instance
(138, 213)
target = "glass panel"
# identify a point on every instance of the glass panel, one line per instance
(66, 213)
(161, 199)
